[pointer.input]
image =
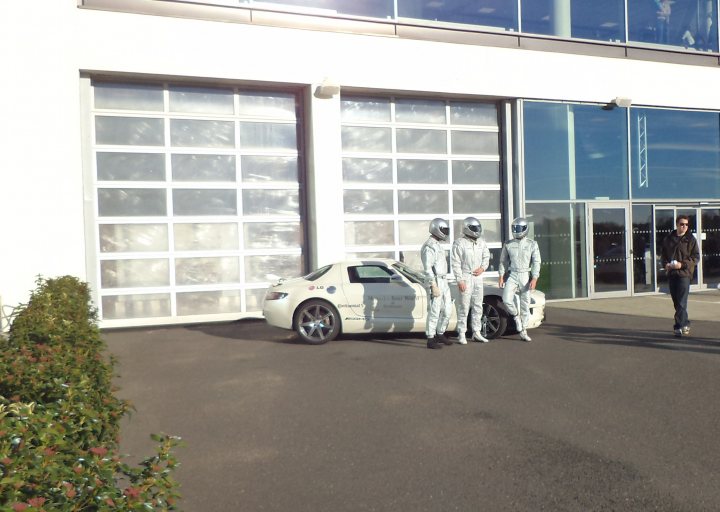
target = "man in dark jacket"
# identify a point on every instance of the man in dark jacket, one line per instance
(680, 254)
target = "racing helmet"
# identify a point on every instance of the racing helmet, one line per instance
(440, 229)
(519, 228)
(472, 227)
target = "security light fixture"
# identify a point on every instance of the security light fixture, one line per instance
(619, 101)
(327, 89)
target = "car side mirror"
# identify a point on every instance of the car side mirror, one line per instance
(396, 278)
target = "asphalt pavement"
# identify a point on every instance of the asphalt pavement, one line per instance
(603, 410)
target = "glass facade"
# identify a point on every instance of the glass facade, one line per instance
(197, 198)
(574, 152)
(407, 161)
(682, 25)
(675, 154)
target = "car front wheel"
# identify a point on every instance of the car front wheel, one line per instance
(317, 322)
(494, 319)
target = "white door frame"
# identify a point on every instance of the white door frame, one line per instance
(627, 254)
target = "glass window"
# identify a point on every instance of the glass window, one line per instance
(675, 154)
(203, 167)
(389, 199)
(583, 19)
(559, 230)
(190, 197)
(491, 13)
(642, 249)
(369, 8)
(130, 166)
(201, 100)
(574, 152)
(133, 237)
(691, 25)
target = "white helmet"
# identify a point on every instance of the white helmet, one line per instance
(440, 229)
(519, 228)
(472, 227)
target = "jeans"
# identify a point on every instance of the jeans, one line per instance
(679, 291)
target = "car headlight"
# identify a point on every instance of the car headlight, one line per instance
(275, 295)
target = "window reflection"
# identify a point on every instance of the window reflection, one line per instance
(370, 8)
(582, 19)
(687, 24)
(675, 154)
(491, 13)
(575, 152)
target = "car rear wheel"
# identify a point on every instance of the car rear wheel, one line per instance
(494, 318)
(317, 322)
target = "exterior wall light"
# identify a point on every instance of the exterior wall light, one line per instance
(327, 89)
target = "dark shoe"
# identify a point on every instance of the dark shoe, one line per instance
(443, 339)
(432, 343)
(678, 333)
(686, 330)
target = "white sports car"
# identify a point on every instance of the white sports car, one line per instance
(372, 296)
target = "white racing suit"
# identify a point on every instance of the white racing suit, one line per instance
(520, 260)
(467, 255)
(435, 266)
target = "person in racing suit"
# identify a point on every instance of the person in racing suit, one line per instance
(470, 258)
(434, 261)
(520, 260)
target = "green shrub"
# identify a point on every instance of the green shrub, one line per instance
(59, 418)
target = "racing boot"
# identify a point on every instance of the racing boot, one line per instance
(432, 343)
(518, 323)
(524, 336)
(477, 336)
(462, 340)
(443, 339)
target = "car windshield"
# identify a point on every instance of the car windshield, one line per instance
(316, 274)
(411, 274)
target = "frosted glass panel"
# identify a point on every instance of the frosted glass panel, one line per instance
(128, 97)
(369, 232)
(411, 140)
(207, 270)
(367, 170)
(476, 173)
(262, 104)
(254, 299)
(423, 201)
(130, 131)
(474, 143)
(491, 229)
(420, 111)
(203, 168)
(204, 202)
(271, 202)
(285, 265)
(366, 139)
(412, 259)
(136, 306)
(130, 167)
(206, 237)
(272, 235)
(202, 134)
(133, 237)
(422, 171)
(209, 303)
(476, 114)
(134, 273)
(368, 201)
(268, 136)
(476, 201)
(266, 169)
(365, 109)
(413, 232)
(200, 100)
(370, 255)
(131, 202)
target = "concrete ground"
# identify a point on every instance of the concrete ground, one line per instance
(604, 411)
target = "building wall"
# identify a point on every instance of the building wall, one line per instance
(48, 46)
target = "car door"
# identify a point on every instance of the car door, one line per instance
(380, 295)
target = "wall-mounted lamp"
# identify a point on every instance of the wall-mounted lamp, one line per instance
(618, 102)
(327, 89)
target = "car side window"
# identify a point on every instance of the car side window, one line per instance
(369, 274)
